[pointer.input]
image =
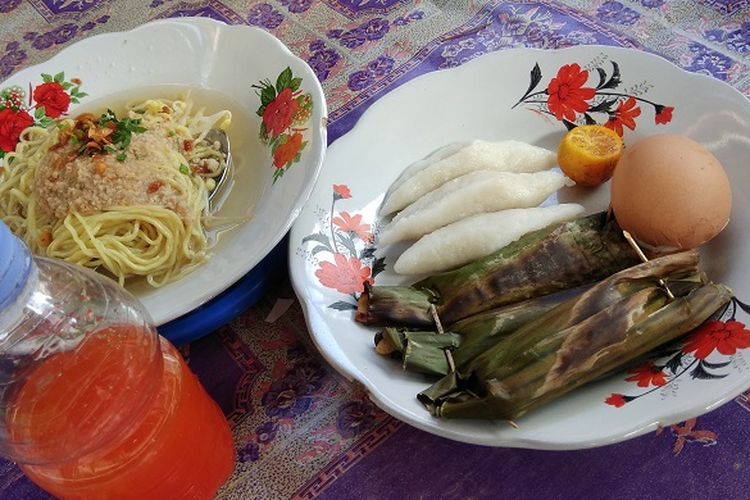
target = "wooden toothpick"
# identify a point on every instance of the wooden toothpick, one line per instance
(439, 326)
(643, 258)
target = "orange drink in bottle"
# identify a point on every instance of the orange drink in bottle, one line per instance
(175, 444)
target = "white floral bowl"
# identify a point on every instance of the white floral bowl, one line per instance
(277, 162)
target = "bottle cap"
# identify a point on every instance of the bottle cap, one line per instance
(15, 263)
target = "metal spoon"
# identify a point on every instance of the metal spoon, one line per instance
(218, 194)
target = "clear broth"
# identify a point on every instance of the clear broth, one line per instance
(244, 187)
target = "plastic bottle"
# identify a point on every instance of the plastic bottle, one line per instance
(93, 403)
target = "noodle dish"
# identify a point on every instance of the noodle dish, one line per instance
(169, 168)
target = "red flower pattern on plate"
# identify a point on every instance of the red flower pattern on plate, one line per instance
(280, 112)
(718, 337)
(567, 94)
(616, 400)
(346, 275)
(726, 338)
(353, 224)
(624, 116)
(12, 123)
(53, 97)
(353, 266)
(341, 192)
(48, 101)
(663, 115)
(284, 110)
(648, 374)
(574, 97)
(287, 151)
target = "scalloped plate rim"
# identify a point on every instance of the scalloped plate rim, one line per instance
(337, 358)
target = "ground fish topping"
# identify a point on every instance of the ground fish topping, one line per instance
(66, 182)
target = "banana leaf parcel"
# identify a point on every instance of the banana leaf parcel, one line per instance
(424, 351)
(555, 258)
(593, 334)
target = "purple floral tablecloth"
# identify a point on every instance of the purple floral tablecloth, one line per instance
(300, 430)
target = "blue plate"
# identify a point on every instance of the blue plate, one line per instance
(231, 302)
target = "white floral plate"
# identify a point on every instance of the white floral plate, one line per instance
(503, 95)
(274, 172)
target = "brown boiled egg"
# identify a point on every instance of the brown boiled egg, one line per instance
(670, 192)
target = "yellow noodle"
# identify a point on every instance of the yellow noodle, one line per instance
(149, 241)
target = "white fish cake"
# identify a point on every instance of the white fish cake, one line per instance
(437, 155)
(455, 160)
(477, 236)
(477, 192)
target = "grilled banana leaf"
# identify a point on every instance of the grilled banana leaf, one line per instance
(555, 258)
(605, 328)
(422, 352)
